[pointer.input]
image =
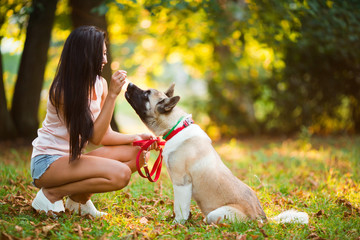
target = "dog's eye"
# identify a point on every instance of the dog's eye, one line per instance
(161, 101)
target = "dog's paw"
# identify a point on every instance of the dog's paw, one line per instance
(179, 221)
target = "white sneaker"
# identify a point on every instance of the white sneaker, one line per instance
(87, 208)
(41, 203)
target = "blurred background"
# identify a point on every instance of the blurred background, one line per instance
(241, 67)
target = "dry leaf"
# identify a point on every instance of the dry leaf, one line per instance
(313, 235)
(320, 213)
(18, 228)
(47, 228)
(347, 214)
(187, 237)
(6, 236)
(78, 230)
(143, 220)
(263, 232)
(223, 225)
(241, 237)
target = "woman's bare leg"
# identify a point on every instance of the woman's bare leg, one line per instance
(124, 153)
(128, 157)
(92, 173)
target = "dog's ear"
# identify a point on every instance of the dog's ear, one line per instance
(170, 91)
(167, 104)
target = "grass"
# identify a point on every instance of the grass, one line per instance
(318, 175)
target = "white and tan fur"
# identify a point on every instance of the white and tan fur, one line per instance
(195, 168)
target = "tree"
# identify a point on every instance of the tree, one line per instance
(30, 79)
(7, 127)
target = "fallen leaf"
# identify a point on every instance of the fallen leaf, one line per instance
(47, 228)
(263, 232)
(187, 237)
(78, 230)
(241, 237)
(224, 225)
(347, 214)
(19, 197)
(347, 204)
(106, 236)
(37, 232)
(320, 213)
(18, 228)
(313, 235)
(6, 236)
(143, 220)
(180, 226)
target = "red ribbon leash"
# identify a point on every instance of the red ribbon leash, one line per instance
(145, 144)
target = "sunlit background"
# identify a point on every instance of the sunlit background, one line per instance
(241, 67)
(258, 68)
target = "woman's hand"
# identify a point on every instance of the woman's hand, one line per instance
(143, 136)
(147, 136)
(117, 82)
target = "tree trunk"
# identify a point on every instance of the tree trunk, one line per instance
(237, 107)
(355, 110)
(7, 128)
(30, 79)
(82, 14)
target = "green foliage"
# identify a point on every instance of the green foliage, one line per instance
(13, 11)
(321, 180)
(307, 74)
(311, 80)
(321, 57)
(241, 67)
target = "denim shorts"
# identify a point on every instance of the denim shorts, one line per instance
(40, 163)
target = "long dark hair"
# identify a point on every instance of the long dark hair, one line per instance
(79, 65)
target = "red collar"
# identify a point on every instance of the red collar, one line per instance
(187, 122)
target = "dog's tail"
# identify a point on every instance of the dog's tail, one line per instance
(292, 216)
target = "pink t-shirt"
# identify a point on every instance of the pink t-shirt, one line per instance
(53, 137)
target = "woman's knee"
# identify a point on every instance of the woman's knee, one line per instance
(120, 176)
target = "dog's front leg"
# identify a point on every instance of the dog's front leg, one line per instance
(182, 200)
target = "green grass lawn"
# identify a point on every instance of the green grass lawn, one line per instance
(320, 176)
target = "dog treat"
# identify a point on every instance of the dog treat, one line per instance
(126, 84)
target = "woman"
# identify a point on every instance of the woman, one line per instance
(79, 110)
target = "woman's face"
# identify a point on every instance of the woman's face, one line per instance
(104, 59)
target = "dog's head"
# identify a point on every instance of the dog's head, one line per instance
(152, 106)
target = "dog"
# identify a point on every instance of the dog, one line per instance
(195, 168)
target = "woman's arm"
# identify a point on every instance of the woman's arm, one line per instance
(103, 134)
(102, 123)
(115, 138)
